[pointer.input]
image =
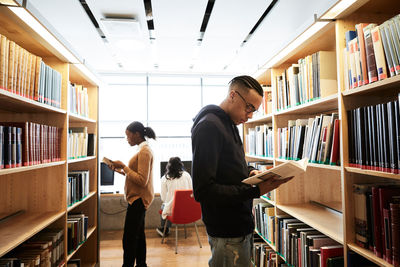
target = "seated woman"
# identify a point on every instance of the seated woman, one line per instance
(175, 178)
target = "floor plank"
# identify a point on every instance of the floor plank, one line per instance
(189, 252)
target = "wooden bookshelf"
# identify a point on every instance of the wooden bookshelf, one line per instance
(326, 104)
(20, 228)
(76, 204)
(330, 185)
(89, 234)
(269, 242)
(324, 220)
(373, 173)
(30, 168)
(78, 118)
(71, 161)
(369, 255)
(265, 119)
(272, 202)
(40, 190)
(16, 103)
(392, 83)
(252, 157)
(316, 165)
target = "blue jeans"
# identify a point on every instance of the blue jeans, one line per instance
(227, 252)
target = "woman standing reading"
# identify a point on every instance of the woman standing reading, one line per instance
(139, 193)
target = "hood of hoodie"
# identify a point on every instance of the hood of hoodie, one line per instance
(220, 113)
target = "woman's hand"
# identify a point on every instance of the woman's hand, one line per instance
(120, 171)
(117, 164)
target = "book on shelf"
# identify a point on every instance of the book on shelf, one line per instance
(267, 100)
(28, 143)
(78, 186)
(373, 137)
(282, 171)
(372, 52)
(25, 74)
(77, 225)
(264, 217)
(311, 78)
(44, 249)
(92, 144)
(77, 142)
(263, 254)
(395, 232)
(329, 252)
(374, 207)
(259, 140)
(316, 138)
(79, 99)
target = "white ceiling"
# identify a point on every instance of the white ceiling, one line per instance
(177, 24)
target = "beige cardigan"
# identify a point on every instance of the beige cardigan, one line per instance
(139, 176)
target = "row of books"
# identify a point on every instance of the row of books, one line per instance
(44, 249)
(266, 104)
(77, 226)
(372, 52)
(78, 100)
(263, 255)
(259, 141)
(25, 74)
(315, 138)
(264, 218)
(301, 245)
(263, 166)
(377, 219)
(311, 78)
(374, 133)
(28, 143)
(80, 143)
(78, 186)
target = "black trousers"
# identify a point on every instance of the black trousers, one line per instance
(134, 239)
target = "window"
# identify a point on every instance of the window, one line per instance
(167, 103)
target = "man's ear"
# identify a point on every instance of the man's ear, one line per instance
(231, 94)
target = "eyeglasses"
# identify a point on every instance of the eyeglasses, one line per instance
(249, 107)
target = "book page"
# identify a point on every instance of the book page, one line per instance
(285, 170)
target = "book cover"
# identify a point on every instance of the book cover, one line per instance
(395, 229)
(363, 55)
(282, 171)
(379, 53)
(330, 252)
(369, 49)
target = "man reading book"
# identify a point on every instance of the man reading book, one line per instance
(218, 168)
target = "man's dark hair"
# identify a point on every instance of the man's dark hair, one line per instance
(245, 81)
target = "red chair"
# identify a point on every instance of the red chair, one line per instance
(185, 210)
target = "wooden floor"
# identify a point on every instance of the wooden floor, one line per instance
(189, 252)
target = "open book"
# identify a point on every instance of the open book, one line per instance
(107, 161)
(282, 171)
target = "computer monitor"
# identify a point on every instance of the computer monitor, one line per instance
(106, 175)
(187, 165)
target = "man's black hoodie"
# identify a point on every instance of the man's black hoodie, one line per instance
(218, 168)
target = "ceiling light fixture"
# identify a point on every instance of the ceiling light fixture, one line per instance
(35, 25)
(124, 28)
(338, 9)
